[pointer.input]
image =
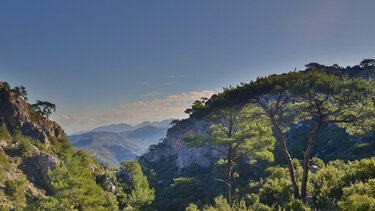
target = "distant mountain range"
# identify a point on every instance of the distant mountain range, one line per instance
(115, 143)
(118, 128)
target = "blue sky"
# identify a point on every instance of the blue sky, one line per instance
(107, 62)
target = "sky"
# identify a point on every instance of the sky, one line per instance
(104, 62)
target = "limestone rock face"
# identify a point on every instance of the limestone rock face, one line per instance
(174, 145)
(36, 168)
(14, 114)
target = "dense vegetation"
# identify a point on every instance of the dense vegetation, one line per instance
(74, 180)
(77, 183)
(323, 122)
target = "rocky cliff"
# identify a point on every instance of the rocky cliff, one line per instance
(15, 115)
(18, 156)
(173, 146)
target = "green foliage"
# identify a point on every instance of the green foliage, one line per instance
(318, 162)
(330, 99)
(360, 196)
(169, 191)
(14, 188)
(22, 146)
(327, 185)
(192, 207)
(347, 185)
(220, 205)
(183, 192)
(136, 186)
(45, 108)
(74, 187)
(20, 91)
(41, 146)
(62, 147)
(14, 191)
(367, 63)
(236, 134)
(343, 107)
(254, 203)
(4, 165)
(4, 134)
(33, 114)
(296, 205)
(276, 188)
(151, 147)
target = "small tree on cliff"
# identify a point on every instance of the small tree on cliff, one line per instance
(235, 134)
(44, 108)
(367, 63)
(20, 91)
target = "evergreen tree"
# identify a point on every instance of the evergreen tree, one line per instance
(135, 184)
(235, 134)
(327, 99)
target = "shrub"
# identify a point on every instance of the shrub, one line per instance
(296, 205)
(15, 191)
(4, 134)
(360, 196)
(33, 114)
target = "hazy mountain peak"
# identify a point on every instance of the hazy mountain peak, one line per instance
(116, 128)
(123, 127)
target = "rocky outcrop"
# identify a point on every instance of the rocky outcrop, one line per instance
(14, 115)
(173, 144)
(36, 168)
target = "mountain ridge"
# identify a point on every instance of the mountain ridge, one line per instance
(114, 147)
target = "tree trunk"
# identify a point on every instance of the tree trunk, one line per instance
(307, 157)
(229, 186)
(288, 158)
(229, 176)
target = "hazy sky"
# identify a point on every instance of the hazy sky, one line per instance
(107, 61)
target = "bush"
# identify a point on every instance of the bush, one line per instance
(23, 147)
(33, 115)
(296, 205)
(360, 196)
(62, 147)
(277, 187)
(136, 186)
(192, 207)
(4, 134)
(15, 191)
(40, 146)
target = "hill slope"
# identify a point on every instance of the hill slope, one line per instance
(112, 147)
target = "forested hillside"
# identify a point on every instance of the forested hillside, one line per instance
(114, 147)
(40, 170)
(300, 140)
